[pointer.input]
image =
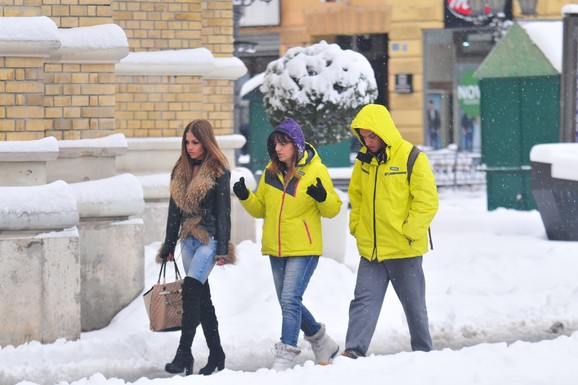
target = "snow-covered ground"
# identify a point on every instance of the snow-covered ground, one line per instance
(502, 300)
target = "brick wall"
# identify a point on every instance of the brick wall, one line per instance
(78, 13)
(74, 100)
(152, 25)
(79, 100)
(157, 106)
(21, 98)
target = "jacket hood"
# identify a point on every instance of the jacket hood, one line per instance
(376, 118)
(294, 131)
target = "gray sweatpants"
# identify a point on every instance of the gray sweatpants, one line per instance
(373, 277)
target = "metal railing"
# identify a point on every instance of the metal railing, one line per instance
(455, 168)
(451, 168)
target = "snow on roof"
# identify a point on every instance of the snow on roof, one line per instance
(252, 84)
(547, 35)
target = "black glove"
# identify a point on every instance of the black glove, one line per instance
(240, 189)
(317, 192)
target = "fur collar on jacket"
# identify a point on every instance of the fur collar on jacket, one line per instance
(189, 199)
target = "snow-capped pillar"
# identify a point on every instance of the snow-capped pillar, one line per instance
(40, 269)
(111, 246)
(86, 159)
(23, 163)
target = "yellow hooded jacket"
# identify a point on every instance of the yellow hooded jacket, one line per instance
(292, 219)
(389, 217)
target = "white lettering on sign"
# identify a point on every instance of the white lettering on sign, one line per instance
(469, 93)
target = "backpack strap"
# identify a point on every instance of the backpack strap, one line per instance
(413, 154)
(411, 161)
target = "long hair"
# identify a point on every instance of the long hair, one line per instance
(203, 131)
(276, 165)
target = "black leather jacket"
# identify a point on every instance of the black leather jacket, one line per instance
(215, 213)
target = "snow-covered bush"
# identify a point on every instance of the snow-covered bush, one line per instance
(322, 87)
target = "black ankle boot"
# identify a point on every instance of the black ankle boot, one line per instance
(216, 361)
(183, 361)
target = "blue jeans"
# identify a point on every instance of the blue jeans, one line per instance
(198, 258)
(291, 276)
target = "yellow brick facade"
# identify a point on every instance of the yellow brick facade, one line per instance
(41, 97)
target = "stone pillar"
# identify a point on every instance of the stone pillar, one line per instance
(40, 270)
(23, 163)
(111, 247)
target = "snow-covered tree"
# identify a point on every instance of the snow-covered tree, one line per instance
(322, 87)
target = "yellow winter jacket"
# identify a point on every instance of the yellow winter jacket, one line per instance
(389, 217)
(292, 219)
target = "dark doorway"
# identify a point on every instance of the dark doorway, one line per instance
(375, 49)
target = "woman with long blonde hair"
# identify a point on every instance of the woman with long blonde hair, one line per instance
(200, 217)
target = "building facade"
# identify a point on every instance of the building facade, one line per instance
(45, 92)
(415, 47)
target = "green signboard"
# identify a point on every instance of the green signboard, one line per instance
(469, 94)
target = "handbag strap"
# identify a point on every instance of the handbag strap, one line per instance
(163, 271)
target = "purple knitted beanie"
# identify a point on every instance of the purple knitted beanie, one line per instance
(294, 131)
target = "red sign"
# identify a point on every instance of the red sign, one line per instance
(461, 8)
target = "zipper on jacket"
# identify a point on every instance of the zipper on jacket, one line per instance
(307, 231)
(279, 222)
(374, 253)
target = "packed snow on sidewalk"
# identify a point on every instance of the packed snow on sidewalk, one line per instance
(502, 301)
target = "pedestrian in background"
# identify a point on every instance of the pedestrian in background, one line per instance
(295, 190)
(200, 214)
(390, 216)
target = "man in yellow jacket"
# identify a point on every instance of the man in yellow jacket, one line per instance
(390, 216)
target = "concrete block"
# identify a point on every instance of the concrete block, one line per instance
(112, 268)
(39, 287)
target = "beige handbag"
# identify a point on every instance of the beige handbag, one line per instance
(164, 302)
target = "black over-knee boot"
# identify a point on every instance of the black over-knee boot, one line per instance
(211, 330)
(183, 360)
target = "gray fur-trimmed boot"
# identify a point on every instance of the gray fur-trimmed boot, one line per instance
(284, 356)
(323, 346)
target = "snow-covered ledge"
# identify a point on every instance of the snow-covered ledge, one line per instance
(184, 62)
(87, 159)
(111, 246)
(28, 36)
(23, 163)
(555, 188)
(45, 207)
(39, 245)
(117, 196)
(106, 43)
